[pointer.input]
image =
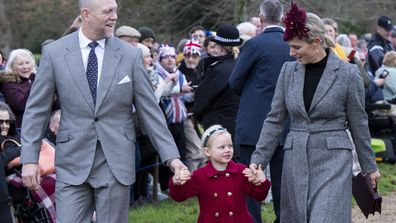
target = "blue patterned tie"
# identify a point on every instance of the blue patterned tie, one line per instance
(92, 70)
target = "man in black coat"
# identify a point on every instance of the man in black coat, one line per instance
(254, 78)
(379, 43)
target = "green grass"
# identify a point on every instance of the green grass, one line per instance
(187, 212)
(387, 182)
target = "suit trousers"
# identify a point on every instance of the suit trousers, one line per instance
(101, 192)
(276, 164)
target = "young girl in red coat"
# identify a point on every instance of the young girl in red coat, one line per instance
(222, 185)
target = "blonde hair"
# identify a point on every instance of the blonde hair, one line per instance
(332, 23)
(14, 54)
(390, 59)
(209, 133)
(317, 30)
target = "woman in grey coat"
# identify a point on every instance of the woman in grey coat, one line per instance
(323, 96)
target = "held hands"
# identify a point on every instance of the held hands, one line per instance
(31, 175)
(255, 175)
(181, 172)
(374, 176)
(184, 175)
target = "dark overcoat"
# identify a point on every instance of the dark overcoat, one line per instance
(254, 79)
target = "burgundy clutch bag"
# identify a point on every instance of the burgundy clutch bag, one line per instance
(367, 198)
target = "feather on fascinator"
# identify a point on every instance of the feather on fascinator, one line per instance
(295, 23)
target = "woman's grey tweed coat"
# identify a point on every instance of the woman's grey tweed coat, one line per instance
(317, 167)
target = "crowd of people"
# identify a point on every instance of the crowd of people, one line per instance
(281, 90)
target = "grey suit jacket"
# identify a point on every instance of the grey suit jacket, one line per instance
(83, 124)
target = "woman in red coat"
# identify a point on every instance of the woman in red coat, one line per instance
(222, 185)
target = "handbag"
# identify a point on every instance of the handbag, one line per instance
(46, 158)
(367, 198)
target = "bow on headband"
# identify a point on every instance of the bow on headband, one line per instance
(295, 23)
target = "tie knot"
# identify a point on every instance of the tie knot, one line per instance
(93, 45)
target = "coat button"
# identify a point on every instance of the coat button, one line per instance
(214, 194)
(227, 174)
(96, 119)
(215, 176)
(217, 214)
(230, 213)
(229, 194)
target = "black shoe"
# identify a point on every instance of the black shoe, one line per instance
(392, 101)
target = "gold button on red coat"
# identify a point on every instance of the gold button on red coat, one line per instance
(230, 213)
(229, 194)
(214, 194)
(217, 214)
(227, 174)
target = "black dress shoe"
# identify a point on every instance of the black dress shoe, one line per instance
(392, 101)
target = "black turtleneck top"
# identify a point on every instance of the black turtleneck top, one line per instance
(313, 73)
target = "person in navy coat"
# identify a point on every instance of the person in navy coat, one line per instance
(254, 78)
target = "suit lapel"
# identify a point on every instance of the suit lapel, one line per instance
(299, 76)
(327, 80)
(110, 63)
(74, 62)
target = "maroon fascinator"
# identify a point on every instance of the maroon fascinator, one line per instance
(295, 23)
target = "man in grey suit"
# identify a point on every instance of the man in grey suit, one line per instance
(97, 79)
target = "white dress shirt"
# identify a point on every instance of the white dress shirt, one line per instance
(85, 49)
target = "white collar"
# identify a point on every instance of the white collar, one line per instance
(273, 26)
(84, 41)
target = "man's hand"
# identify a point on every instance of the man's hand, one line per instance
(379, 82)
(184, 176)
(187, 88)
(374, 176)
(176, 166)
(31, 175)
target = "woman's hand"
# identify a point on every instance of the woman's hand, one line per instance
(374, 176)
(255, 175)
(171, 77)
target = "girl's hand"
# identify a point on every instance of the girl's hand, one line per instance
(249, 174)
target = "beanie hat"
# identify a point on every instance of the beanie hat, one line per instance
(385, 23)
(146, 33)
(192, 47)
(127, 31)
(166, 50)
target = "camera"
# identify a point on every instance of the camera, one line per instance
(384, 74)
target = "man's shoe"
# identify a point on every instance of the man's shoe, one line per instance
(392, 101)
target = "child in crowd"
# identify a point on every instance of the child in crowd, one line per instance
(221, 185)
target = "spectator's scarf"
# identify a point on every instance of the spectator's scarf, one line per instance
(173, 106)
